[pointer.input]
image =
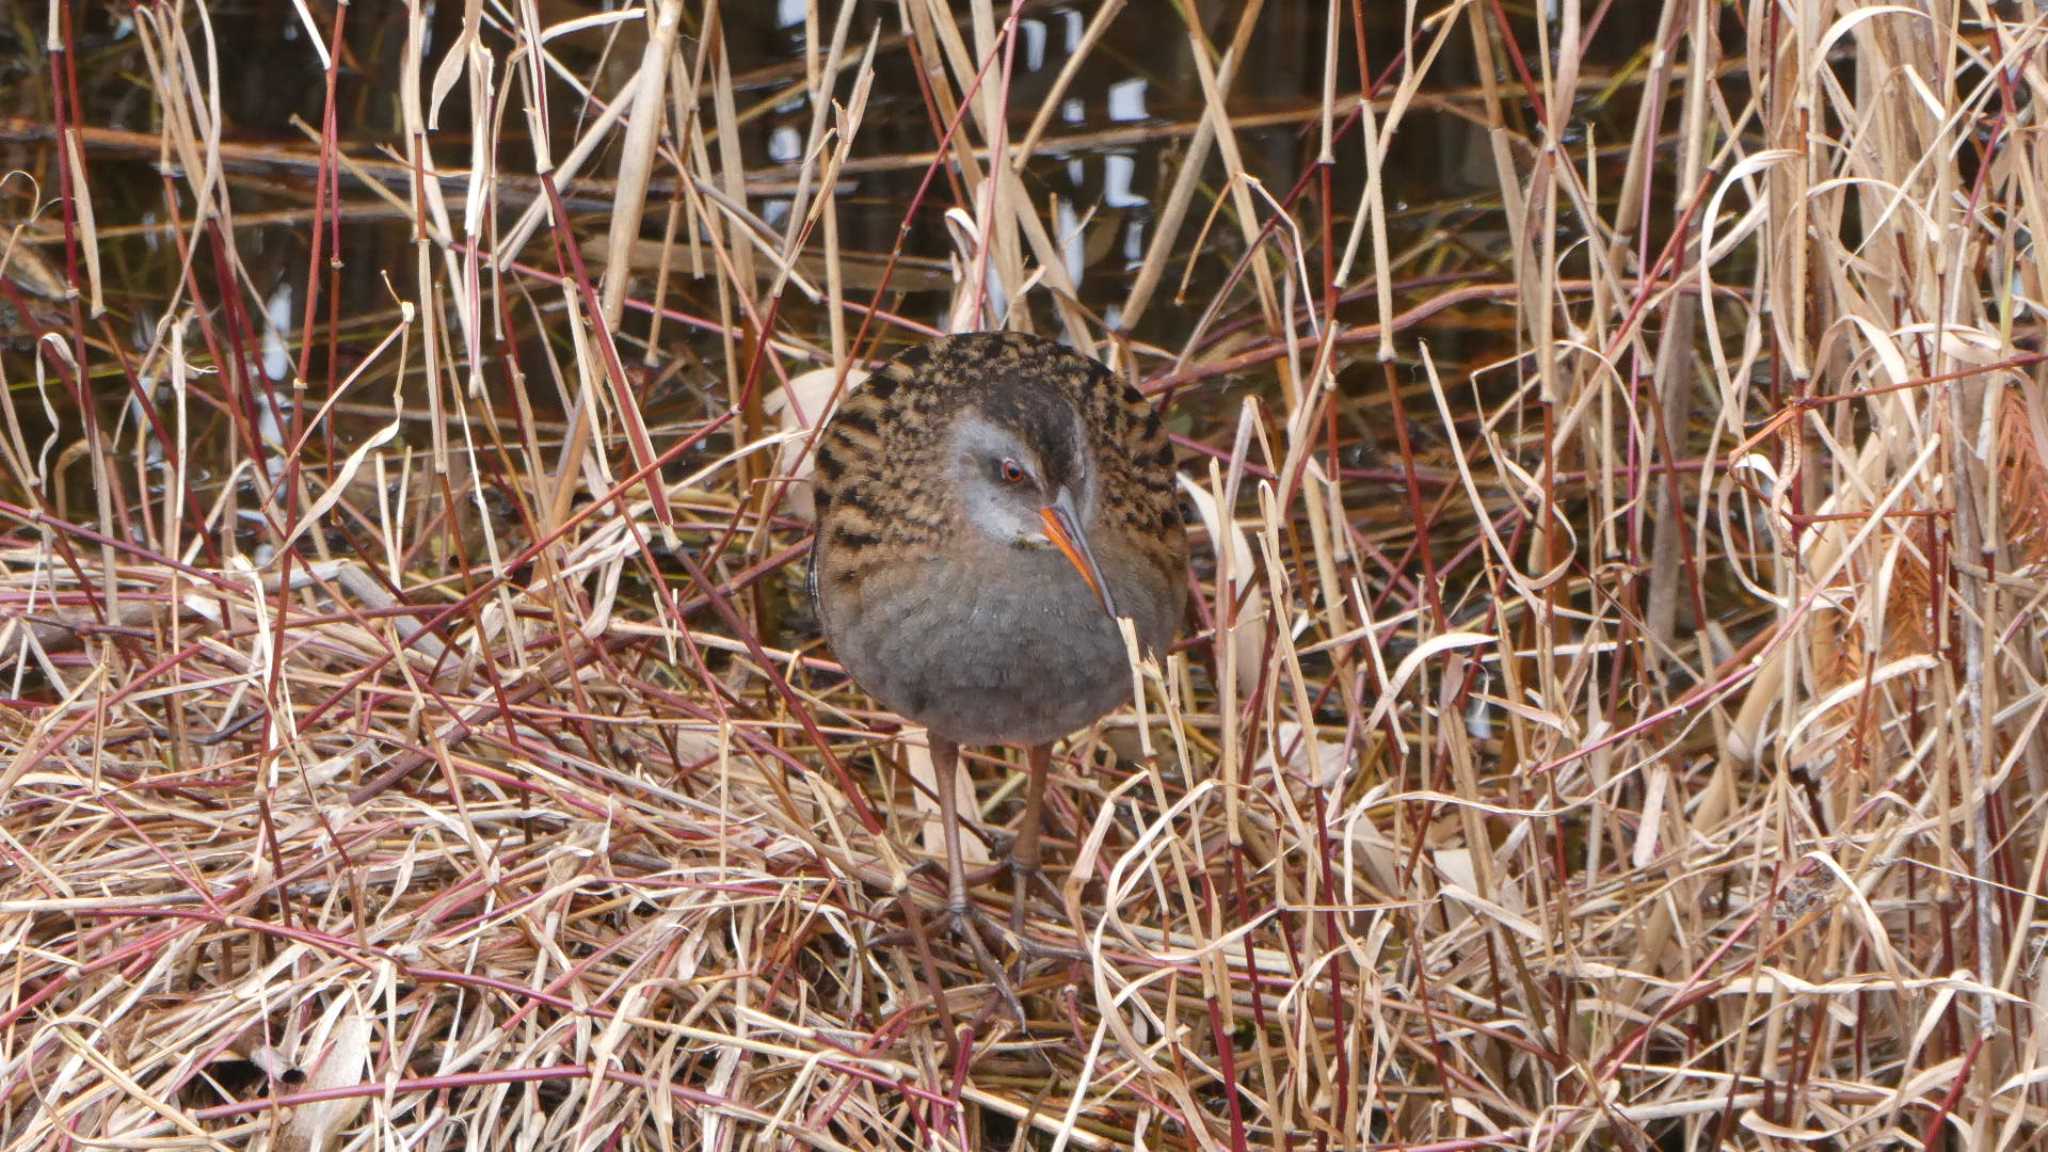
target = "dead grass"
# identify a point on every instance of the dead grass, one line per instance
(1640, 745)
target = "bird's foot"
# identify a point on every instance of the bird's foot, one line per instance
(980, 876)
(1034, 950)
(967, 922)
(1029, 879)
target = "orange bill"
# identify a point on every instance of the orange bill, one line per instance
(1066, 535)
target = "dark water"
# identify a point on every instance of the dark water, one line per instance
(1108, 156)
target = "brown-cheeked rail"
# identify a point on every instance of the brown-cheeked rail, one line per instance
(987, 506)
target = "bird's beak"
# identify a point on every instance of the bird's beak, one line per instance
(1063, 528)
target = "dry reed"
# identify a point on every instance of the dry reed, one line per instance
(1633, 739)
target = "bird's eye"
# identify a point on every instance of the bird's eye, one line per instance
(1010, 471)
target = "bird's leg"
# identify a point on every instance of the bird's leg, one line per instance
(1024, 863)
(945, 774)
(1024, 849)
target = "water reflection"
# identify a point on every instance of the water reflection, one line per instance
(278, 316)
(1071, 242)
(1033, 34)
(1127, 100)
(1117, 173)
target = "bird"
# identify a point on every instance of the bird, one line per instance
(988, 505)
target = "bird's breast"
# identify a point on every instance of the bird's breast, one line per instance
(1000, 646)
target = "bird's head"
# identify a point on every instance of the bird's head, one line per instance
(1026, 479)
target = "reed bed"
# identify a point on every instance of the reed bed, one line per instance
(1610, 715)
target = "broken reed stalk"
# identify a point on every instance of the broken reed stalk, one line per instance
(1612, 706)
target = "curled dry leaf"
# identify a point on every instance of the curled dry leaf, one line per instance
(805, 403)
(340, 1056)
